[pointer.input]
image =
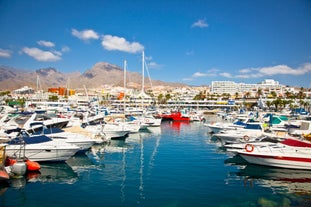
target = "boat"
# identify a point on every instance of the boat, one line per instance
(40, 148)
(32, 122)
(216, 127)
(174, 116)
(250, 132)
(4, 175)
(48, 122)
(107, 131)
(80, 140)
(83, 142)
(147, 120)
(304, 128)
(278, 155)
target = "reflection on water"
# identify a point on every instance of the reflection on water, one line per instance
(49, 173)
(55, 172)
(171, 165)
(175, 125)
(278, 179)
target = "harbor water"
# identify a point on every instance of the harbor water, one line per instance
(177, 164)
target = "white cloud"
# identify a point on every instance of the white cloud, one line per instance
(274, 70)
(85, 34)
(284, 69)
(245, 70)
(110, 42)
(200, 23)
(154, 65)
(5, 53)
(187, 79)
(65, 49)
(46, 43)
(43, 56)
(227, 75)
(199, 74)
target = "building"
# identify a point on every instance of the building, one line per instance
(267, 86)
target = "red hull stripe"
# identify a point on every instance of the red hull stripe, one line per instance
(298, 159)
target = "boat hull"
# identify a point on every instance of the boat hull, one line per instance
(289, 159)
(49, 153)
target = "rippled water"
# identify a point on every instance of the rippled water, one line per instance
(174, 165)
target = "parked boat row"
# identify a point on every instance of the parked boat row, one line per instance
(31, 137)
(267, 142)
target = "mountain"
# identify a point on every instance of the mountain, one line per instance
(100, 75)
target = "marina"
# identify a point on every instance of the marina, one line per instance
(175, 164)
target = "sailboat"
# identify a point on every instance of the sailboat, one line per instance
(146, 118)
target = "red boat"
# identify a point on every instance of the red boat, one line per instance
(174, 116)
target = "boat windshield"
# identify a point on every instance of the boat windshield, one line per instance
(30, 139)
(253, 126)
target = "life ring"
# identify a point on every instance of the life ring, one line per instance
(249, 147)
(246, 138)
(147, 120)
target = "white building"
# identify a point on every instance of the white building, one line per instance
(268, 85)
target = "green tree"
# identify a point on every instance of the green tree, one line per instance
(273, 94)
(288, 94)
(301, 93)
(4, 93)
(259, 92)
(53, 98)
(277, 103)
(168, 96)
(269, 104)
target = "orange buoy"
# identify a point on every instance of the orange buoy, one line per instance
(32, 165)
(249, 147)
(4, 175)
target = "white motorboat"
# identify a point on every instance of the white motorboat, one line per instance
(278, 155)
(32, 125)
(216, 127)
(32, 122)
(149, 121)
(83, 142)
(40, 148)
(260, 141)
(107, 132)
(250, 132)
(80, 140)
(304, 128)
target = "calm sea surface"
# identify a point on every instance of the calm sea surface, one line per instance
(176, 164)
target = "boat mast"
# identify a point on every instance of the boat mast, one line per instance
(143, 72)
(143, 80)
(124, 84)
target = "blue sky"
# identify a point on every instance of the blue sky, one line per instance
(188, 41)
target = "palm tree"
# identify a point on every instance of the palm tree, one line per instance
(259, 92)
(161, 98)
(301, 94)
(288, 94)
(236, 95)
(168, 97)
(273, 94)
(277, 102)
(269, 104)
